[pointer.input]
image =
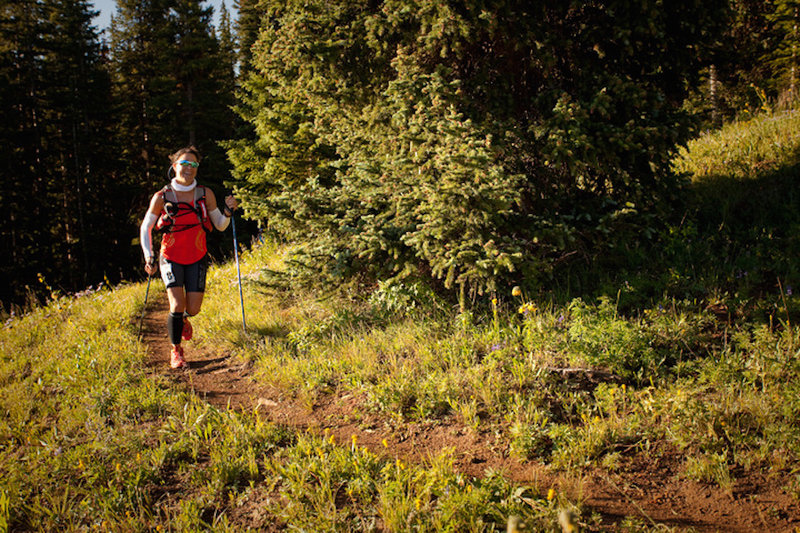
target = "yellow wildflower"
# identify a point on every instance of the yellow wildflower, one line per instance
(516, 291)
(551, 494)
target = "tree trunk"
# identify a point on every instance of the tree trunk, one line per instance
(190, 112)
(712, 90)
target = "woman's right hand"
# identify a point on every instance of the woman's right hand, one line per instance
(150, 267)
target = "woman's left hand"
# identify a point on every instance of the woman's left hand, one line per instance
(231, 202)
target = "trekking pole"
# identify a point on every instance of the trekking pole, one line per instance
(144, 306)
(238, 271)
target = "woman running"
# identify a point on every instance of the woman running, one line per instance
(185, 211)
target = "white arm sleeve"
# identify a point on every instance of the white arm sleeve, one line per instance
(220, 221)
(145, 235)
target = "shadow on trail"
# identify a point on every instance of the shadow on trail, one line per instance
(208, 365)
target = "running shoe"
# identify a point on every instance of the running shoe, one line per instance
(187, 330)
(176, 359)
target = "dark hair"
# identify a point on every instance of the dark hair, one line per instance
(188, 150)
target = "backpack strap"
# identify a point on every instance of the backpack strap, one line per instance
(202, 209)
(171, 208)
(168, 195)
(170, 199)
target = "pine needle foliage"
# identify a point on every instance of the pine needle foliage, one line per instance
(784, 55)
(464, 142)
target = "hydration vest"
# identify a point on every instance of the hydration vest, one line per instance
(174, 210)
(185, 226)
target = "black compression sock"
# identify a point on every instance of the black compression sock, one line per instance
(175, 327)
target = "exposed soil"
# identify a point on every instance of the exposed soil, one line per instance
(649, 487)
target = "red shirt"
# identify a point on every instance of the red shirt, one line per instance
(185, 242)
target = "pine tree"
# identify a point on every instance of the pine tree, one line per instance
(245, 35)
(227, 71)
(465, 142)
(227, 54)
(53, 143)
(737, 70)
(785, 55)
(148, 106)
(170, 84)
(247, 25)
(204, 74)
(227, 41)
(21, 45)
(78, 118)
(193, 60)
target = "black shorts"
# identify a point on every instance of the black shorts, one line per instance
(191, 277)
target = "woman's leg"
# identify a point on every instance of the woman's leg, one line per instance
(177, 305)
(193, 302)
(173, 276)
(177, 299)
(195, 286)
(195, 277)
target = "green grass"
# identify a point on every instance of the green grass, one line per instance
(669, 374)
(744, 150)
(90, 441)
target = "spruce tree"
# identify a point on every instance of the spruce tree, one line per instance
(227, 64)
(147, 102)
(466, 142)
(54, 143)
(246, 29)
(79, 124)
(785, 55)
(21, 46)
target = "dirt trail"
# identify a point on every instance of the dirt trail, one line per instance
(648, 487)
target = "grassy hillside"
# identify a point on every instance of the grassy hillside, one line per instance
(90, 441)
(691, 353)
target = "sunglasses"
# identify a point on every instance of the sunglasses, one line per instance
(185, 163)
